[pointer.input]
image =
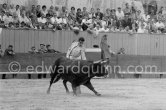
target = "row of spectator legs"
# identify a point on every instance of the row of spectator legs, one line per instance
(40, 76)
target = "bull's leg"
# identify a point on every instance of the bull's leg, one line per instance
(89, 85)
(74, 89)
(65, 85)
(54, 77)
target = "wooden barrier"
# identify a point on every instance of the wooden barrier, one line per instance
(135, 44)
(127, 63)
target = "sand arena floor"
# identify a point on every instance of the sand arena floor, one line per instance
(117, 94)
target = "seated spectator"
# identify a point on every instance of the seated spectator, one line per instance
(1, 52)
(127, 21)
(105, 29)
(38, 11)
(24, 19)
(127, 9)
(12, 9)
(119, 14)
(104, 22)
(8, 19)
(84, 12)
(72, 14)
(42, 49)
(33, 50)
(3, 17)
(146, 16)
(49, 50)
(15, 18)
(121, 51)
(160, 25)
(79, 16)
(85, 23)
(141, 29)
(42, 20)
(17, 12)
(5, 8)
(9, 51)
(54, 19)
(62, 21)
(107, 13)
(57, 11)
(44, 10)
(97, 29)
(92, 13)
(98, 13)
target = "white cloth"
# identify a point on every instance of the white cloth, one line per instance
(160, 25)
(42, 20)
(7, 20)
(62, 20)
(141, 30)
(76, 52)
(53, 20)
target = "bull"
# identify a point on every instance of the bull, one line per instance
(77, 72)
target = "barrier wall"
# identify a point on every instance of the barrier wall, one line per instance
(43, 61)
(135, 44)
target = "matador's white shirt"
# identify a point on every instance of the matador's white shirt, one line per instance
(76, 52)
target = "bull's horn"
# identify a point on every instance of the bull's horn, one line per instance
(105, 61)
(97, 61)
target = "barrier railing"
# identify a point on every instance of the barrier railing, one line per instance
(134, 44)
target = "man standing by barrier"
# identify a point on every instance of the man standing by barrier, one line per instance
(106, 53)
(77, 52)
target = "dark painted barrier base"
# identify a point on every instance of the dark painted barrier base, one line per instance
(46, 60)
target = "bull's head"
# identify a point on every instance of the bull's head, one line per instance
(99, 68)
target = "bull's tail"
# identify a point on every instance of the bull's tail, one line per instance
(55, 76)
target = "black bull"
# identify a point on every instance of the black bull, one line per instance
(77, 72)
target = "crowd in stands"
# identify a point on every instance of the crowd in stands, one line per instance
(128, 19)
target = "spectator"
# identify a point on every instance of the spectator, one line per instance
(127, 9)
(108, 13)
(72, 14)
(98, 13)
(17, 12)
(119, 14)
(127, 22)
(42, 49)
(85, 23)
(84, 12)
(4, 8)
(160, 26)
(38, 11)
(1, 52)
(9, 51)
(121, 51)
(92, 13)
(44, 10)
(42, 20)
(57, 11)
(79, 16)
(49, 50)
(2, 17)
(8, 19)
(33, 50)
(11, 9)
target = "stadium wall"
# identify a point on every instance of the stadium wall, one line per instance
(134, 44)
